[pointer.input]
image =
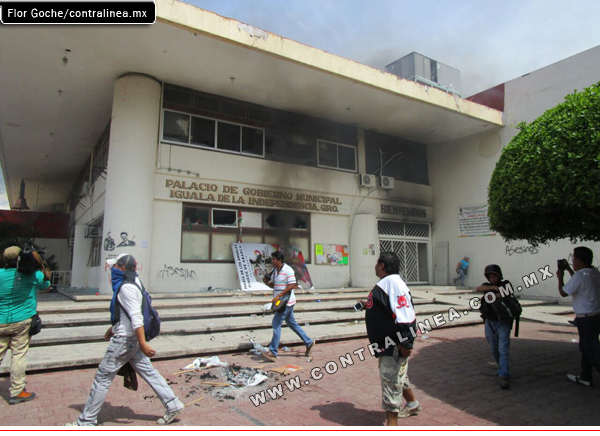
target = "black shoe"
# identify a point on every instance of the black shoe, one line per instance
(22, 397)
(504, 383)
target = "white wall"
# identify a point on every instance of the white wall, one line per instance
(460, 172)
(241, 171)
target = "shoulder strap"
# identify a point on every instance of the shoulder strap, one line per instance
(119, 305)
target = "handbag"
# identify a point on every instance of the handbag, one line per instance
(281, 303)
(36, 325)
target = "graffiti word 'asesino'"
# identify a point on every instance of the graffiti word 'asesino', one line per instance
(184, 273)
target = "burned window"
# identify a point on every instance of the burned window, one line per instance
(224, 218)
(203, 132)
(228, 137)
(252, 141)
(208, 232)
(337, 156)
(176, 127)
(177, 96)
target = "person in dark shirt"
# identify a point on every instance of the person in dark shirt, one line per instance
(391, 322)
(497, 332)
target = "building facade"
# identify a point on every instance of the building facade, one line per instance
(173, 141)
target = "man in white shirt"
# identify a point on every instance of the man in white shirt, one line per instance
(283, 281)
(584, 288)
(127, 345)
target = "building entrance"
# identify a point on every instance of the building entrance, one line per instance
(411, 242)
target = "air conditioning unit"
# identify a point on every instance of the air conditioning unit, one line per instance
(93, 232)
(366, 180)
(386, 182)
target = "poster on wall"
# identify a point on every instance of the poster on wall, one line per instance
(474, 221)
(253, 262)
(331, 254)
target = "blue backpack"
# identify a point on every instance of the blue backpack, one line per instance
(151, 318)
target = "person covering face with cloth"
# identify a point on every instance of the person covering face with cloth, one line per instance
(283, 282)
(391, 322)
(127, 345)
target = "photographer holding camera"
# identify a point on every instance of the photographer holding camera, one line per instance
(584, 288)
(20, 279)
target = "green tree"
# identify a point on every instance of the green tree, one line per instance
(546, 184)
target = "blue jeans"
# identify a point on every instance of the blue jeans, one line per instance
(497, 334)
(288, 316)
(461, 277)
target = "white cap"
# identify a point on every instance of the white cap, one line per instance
(112, 262)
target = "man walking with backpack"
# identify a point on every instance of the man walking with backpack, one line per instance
(497, 325)
(128, 344)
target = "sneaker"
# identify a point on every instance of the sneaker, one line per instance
(269, 355)
(405, 412)
(309, 348)
(579, 380)
(168, 418)
(504, 383)
(22, 397)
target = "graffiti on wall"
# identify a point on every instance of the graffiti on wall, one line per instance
(184, 273)
(524, 249)
(109, 242)
(125, 241)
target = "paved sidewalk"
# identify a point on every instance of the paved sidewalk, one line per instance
(452, 372)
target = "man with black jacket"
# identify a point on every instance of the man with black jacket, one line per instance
(497, 332)
(391, 323)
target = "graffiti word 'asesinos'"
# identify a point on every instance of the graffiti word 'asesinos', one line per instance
(510, 250)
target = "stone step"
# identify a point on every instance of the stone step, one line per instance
(86, 297)
(71, 318)
(102, 306)
(217, 324)
(171, 346)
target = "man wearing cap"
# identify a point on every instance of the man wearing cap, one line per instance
(127, 345)
(461, 270)
(497, 333)
(18, 303)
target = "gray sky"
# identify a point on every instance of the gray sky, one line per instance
(489, 42)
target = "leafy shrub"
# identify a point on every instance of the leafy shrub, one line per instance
(546, 184)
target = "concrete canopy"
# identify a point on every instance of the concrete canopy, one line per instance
(53, 111)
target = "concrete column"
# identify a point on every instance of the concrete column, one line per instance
(129, 204)
(361, 151)
(363, 234)
(81, 254)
